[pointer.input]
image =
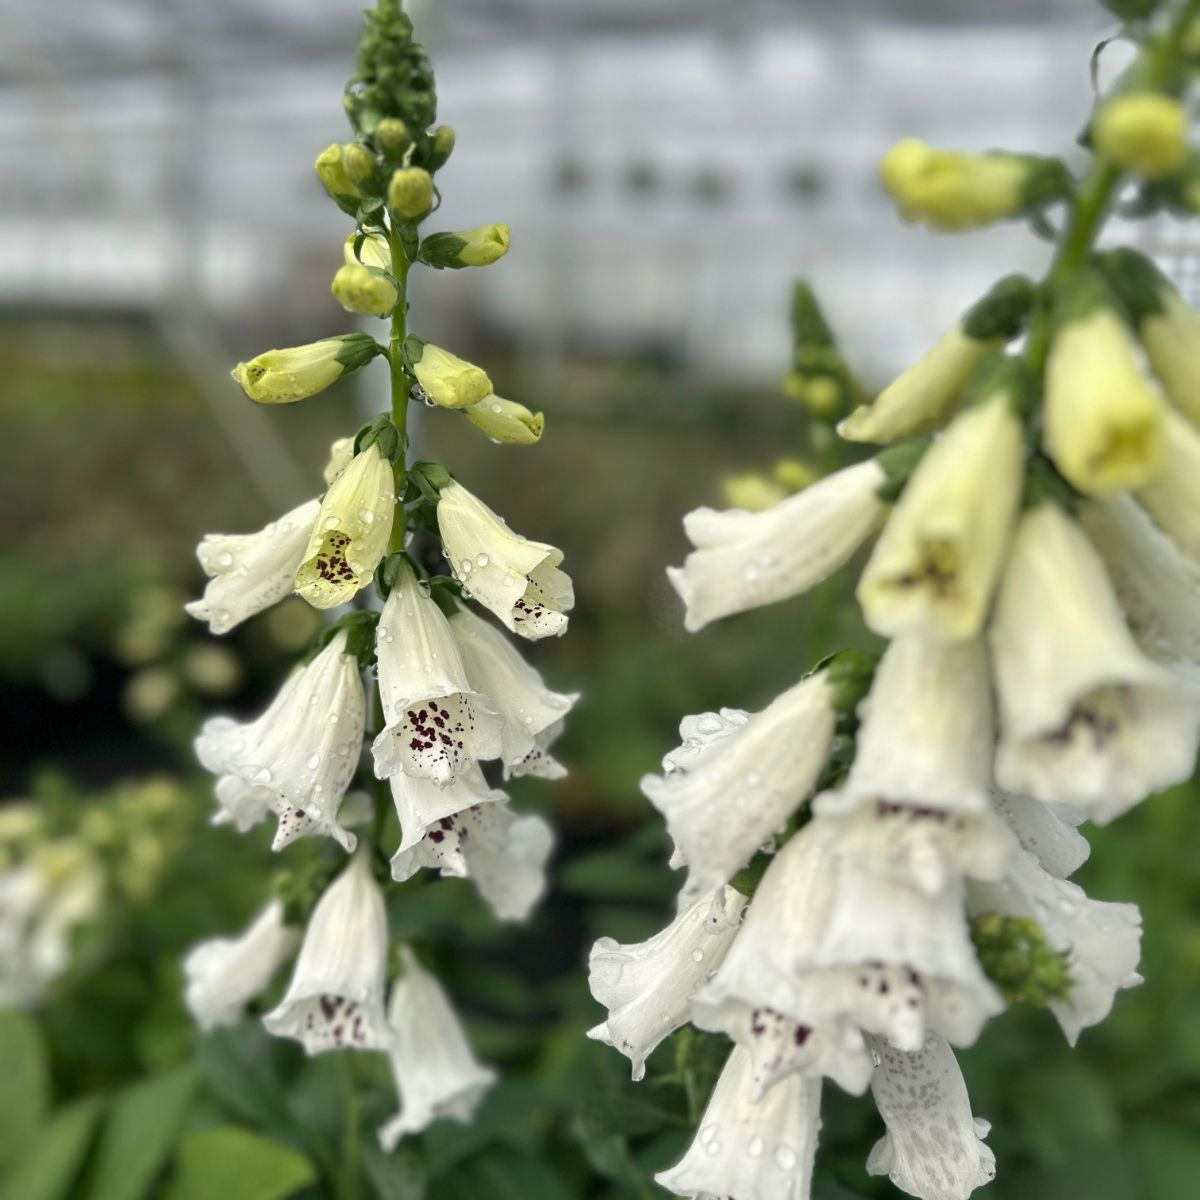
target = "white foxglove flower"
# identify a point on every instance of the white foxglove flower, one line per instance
(1086, 718)
(1056, 844)
(421, 805)
(436, 725)
(1173, 498)
(341, 454)
(935, 564)
(1102, 940)
(335, 998)
(532, 714)
(436, 1074)
(225, 974)
(251, 571)
(647, 987)
(933, 1147)
(240, 804)
(509, 575)
(916, 802)
(830, 941)
(351, 531)
(1155, 581)
(742, 780)
(503, 854)
(743, 560)
(747, 1149)
(300, 755)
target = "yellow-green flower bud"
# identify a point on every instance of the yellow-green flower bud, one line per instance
(469, 248)
(1168, 326)
(392, 136)
(447, 380)
(364, 290)
(820, 394)
(1142, 132)
(373, 252)
(505, 421)
(282, 376)
(331, 170)
(1103, 421)
(410, 192)
(951, 190)
(795, 474)
(441, 147)
(752, 491)
(359, 165)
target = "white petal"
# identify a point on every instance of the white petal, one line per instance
(1086, 718)
(517, 579)
(741, 788)
(1102, 940)
(335, 998)
(422, 806)
(436, 1074)
(747, 1150)
(513, 689)
(935, 564)
(934, 1147)
(240, 804)
(251, 571)
(927, 734)
(1174, 497)
(301, 753)
(744, 560)
(225, 974)
(647, 986)
(1057, 845)
(436, 724)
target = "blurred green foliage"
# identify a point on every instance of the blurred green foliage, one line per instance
(109, 1092)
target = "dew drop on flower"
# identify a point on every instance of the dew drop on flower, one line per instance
(332, 522)
(314, 761)
(482, 560)
(755, 1148)
(466, 566)
(785, 1157)
(366, 516)
(707, 1133)
(263, 776)
(225, 559)
(697, 955)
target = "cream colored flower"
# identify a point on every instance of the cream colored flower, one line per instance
(1173, 498)
(936, 563)
(351, 531)
(365, 290)
(505, 421)
(283, 376)
(1171, 337)
(1143, 132)
(447, 380)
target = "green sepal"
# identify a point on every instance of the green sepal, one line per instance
(441, 146)
(1137, 282)
(899, 461)
(849, 674)
(360, 636)
(357, 350)
(1132, 10)
(348, 204)
(409, 238)
(998, 372)
(390, 568)
(1044, 485)
(1046, 181)
(413, 349)
(1016, 957)
(299, 887)
(1002, 313)
(382, 433)
(442, 250)
(429, 478)
(1078, 294)
(750, 876)
(446, 593)
(841, 756)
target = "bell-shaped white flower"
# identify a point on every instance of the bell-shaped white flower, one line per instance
(743, 560)
(335, 998)
(934, 1146)
(503, 854)
(532, 714)
(647, 987)
(1086, 718)
(435, 1072)
(747, 1149)
(1173, 496)
(1156, 583)
(224, 974)
(1102, 940)
(351, 531)
(239, 803)
(740, 779)
(518, 580)
(249, 572)
(421, 805)
(916, 802)
(1056, 844)
(300, 755)
(435, 723)
(935, 564)
(829, 939)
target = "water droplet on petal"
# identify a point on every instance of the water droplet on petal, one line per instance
(482, 560)
(366, 516)
(225, 559)
(755, 1148)
(314, 761)
(785, 1157)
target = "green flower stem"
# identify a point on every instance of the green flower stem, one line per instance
(402, 382)
(348, 1184)
(1094, 196)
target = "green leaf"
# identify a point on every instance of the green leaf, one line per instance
(400, 1175)
(228, 1163)
(239, 1065)
(53, 1158)
(502, 1174)
(25, 1094)
(141, 1128)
